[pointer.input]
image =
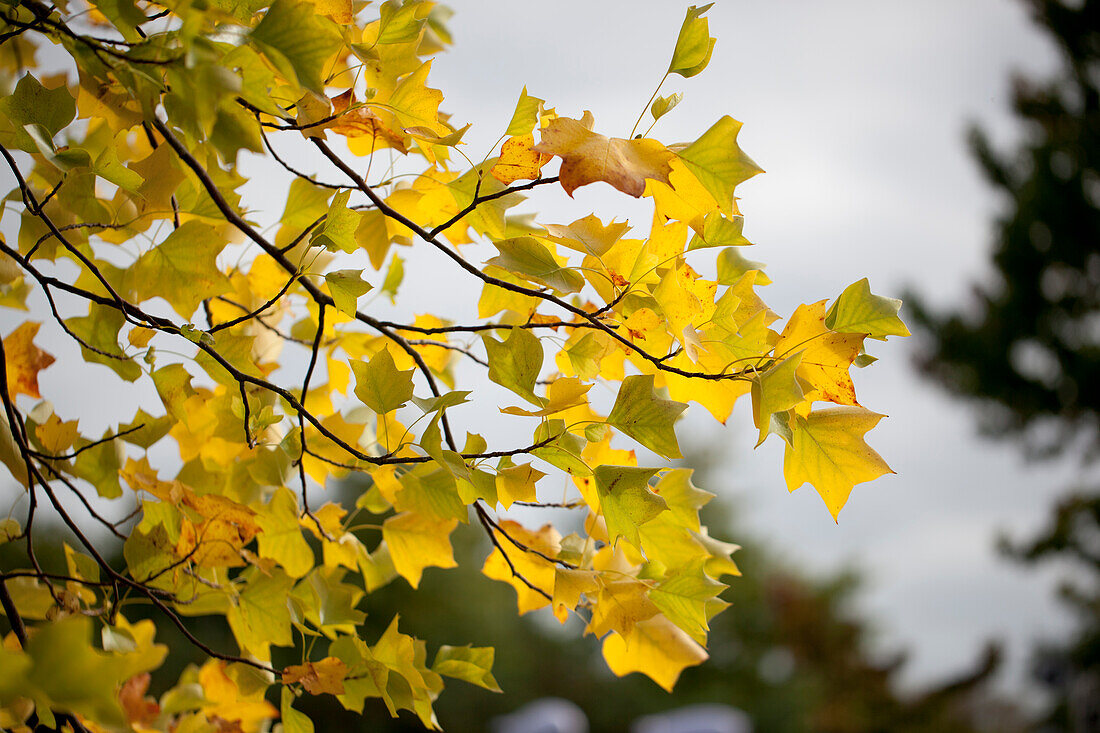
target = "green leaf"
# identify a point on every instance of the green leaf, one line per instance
(260, 615)
(444, 401)
(718, 231)
(380, 385)
(718, 163)
(525, 116)
(330, 603)
(149, 429)
(662, 105)
(564, 451)
(67, 673)
(346, 286)
(305, 203)
(298, 41)
(732, 266)
(395, 274)
(626, 500)
(32, 104)
(684, 498)
(774, 391)
(401, 22)
(235, 129)
(683, 597)
(515, 363)
(99, 330)
(182, 269)
(125, 15)
(338, 230)
(431, 491)
(281, 537)
(99, 465)
(470, 664)
(644, 416)
(858, 311)
(694, 44)
(488, 217)
(527, 257)
(293, 720)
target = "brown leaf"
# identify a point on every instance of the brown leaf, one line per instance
(360, 122)
(139, 709)
(587, 157)
(320, 677)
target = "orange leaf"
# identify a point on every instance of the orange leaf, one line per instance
(25, 360)
(139, 709)
(320, 677)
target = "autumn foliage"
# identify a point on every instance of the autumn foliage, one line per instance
(276, 375)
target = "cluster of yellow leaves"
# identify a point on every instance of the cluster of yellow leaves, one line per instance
(563, 306)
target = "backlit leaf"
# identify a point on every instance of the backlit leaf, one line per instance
(858, 311)
(380, 384)
(647, 418)
(694, 44)
(588, 157)
(470, 664)
(829, 452)
(417, 542)
(626, 499)
(719, 164)
(657, 648)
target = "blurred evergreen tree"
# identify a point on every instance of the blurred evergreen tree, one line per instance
(1028, 349)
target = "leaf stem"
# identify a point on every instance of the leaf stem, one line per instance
(651, 98)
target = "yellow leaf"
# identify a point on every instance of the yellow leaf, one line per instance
(685, 298)
(24, 360)
(517, 483)
(339, 10)
(518, 160)
(826, 356)
(226, 702)
(588, 157)
(325, 676)
(588, 235)
(718, 396)
(281, 537)
(682, 197)
(569, 585)
(828, 451)
(563, 393)
(620, 605)
(56, 436)
(529, 566)
(417, 542)
(655, 647)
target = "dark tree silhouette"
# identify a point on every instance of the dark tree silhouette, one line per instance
(1028, 350)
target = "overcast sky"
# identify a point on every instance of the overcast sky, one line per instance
(858, 112)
